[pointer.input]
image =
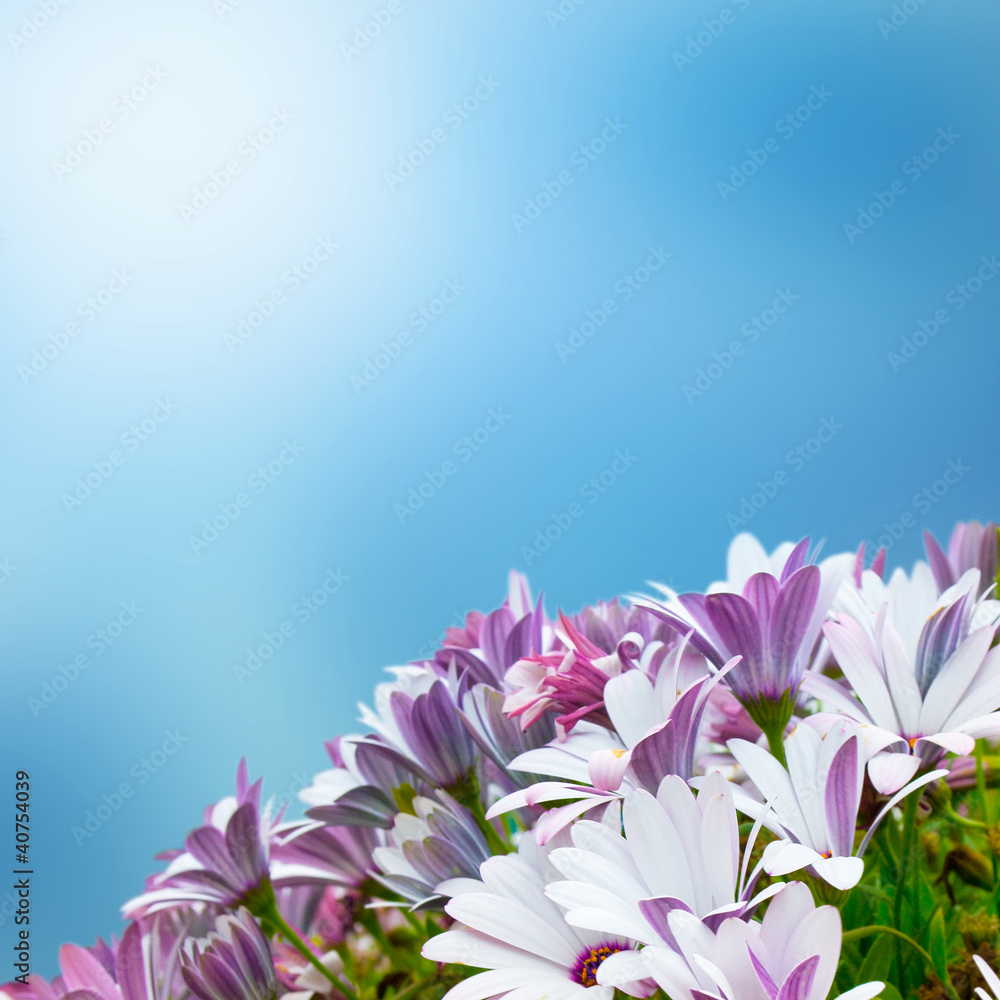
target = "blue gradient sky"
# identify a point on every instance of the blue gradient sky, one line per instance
(359, 450)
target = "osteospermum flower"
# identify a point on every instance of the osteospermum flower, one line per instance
(680, 852)
(420, 742)
(570, 681)
(813, 803)
(359, 789)
(440, 842)
(233, 963)
(792, 954)
(655, 732)
(508, 926)
(930, 686)
(772, 622)
(224, 862)
(143, 965)
(489, 644)
(307, 853)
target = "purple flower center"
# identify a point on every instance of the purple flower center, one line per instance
(589, 961)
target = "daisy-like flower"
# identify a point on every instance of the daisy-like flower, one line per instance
(792, 954)
(224, 862)
(233, 963)
(772, 621)
(929, 685)
(307, 853)
(440, 842)
(501, 738)
(359, 789)
(812, 804)
(483, 650)
(657, 726)
(680, 852)
(143, 965)
(508, 926)
(87, 974)
(420, 742)
(569, 681)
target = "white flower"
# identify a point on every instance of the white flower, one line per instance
(508, 926)
(814, 803)
(792, 953)
(679, 853)
(931, 688)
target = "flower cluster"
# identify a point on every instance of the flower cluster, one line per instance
(779, 788)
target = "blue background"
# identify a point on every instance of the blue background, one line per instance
(696, 458)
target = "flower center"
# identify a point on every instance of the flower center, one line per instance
(589, 961)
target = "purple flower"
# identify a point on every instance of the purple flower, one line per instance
(233, 963)
(569, 681)
(482, 652)
(359, 790)
(224, 862)
(773, 624)
(143, 965)
(972, 546)
(306, 853)
(440, 842)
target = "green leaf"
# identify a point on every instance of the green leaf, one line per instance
(889, 992)
(878, 961)
(938, 946)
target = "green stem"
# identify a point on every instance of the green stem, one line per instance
(775, 744)
(292, 937)
(905, 862)
(859, 932)
(772, 717)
